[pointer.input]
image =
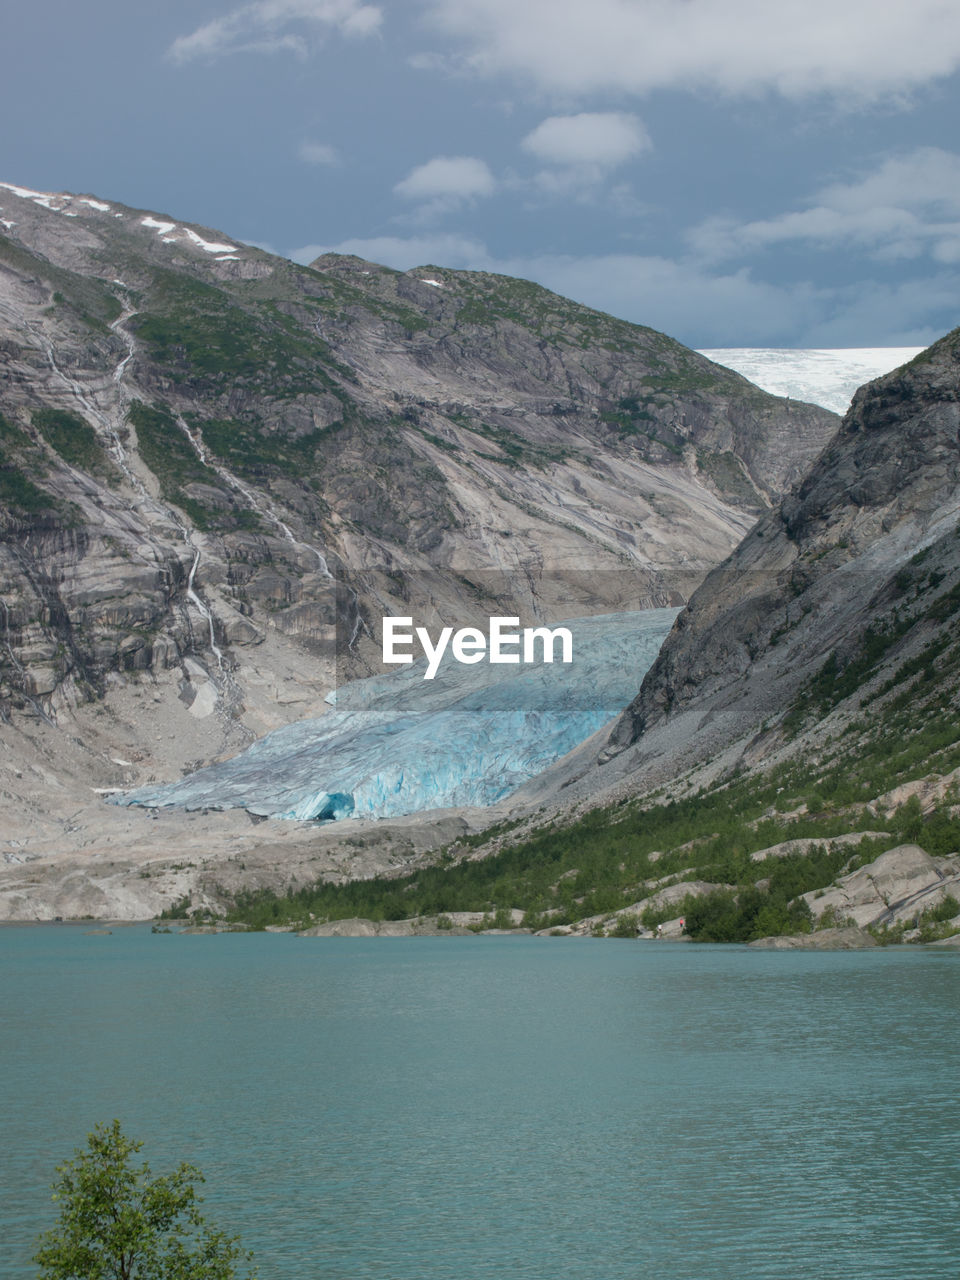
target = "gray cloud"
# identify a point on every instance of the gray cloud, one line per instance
(855, 49)
(908, 206)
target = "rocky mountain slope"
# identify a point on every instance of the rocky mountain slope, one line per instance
(793, 755)
(855, 568)
(217, 464)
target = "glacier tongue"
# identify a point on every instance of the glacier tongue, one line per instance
(827, 377)
(396, 744)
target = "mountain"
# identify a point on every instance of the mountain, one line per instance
(855, 569)
(220, 469)
(791, 764)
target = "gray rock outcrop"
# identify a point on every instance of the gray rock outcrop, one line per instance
(864, 547)
(897, 886)
(845, 939)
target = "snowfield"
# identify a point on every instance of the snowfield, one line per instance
(827, 377)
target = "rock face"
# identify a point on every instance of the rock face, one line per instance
(214, 464)
(854, 569)
(196, 435)
(419, 927)
(898, 886)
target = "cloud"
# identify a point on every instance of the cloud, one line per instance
(318, 153)
(605, 139)
(912, 313)
(855, 49)
(260, 28)
(908, 206)
(453, 178)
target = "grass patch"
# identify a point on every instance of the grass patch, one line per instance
(198, 334)
(250, 451)
(19, 493)
(19, 459)
(75, 441)
(170, 456)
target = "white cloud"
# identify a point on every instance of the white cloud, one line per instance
(260, 27)
(318, 153)
(908, 206)
(856, 49)
(601, 138)
(453, 178)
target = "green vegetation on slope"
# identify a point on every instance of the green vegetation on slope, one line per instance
(75, 441)
(199, 334)
(18, 456)
(168, 453)
(249, 450)
(19, 493)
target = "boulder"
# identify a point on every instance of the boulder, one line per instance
(899, 884)
(353, 928)
(803, 845)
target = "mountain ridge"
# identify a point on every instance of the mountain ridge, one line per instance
(217, 463)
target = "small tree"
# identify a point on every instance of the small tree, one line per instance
(117, 1222)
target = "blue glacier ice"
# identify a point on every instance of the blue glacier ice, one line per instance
(396, 744)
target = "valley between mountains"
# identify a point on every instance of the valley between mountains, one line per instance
(221, 470)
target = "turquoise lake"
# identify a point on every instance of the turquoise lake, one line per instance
(459, 1108)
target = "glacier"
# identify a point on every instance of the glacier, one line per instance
(827, 376)
(397, 744)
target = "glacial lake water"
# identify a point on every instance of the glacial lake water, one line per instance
(464, 1108)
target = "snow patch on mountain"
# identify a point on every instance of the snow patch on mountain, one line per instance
(55, 201)
(170, 233)
(209, 246)
(160, 227)
(828, 377)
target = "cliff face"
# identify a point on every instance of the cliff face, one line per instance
(199, 437)
(839, 591)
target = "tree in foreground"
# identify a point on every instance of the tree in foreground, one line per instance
(117, 1222)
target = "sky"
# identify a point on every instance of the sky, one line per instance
(732, 172)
